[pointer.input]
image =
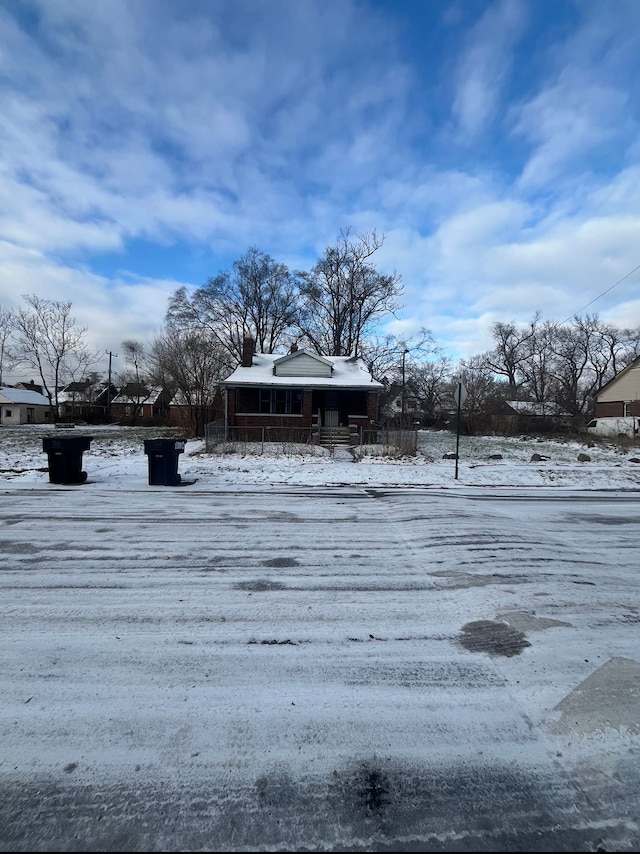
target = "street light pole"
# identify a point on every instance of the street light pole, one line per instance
(111, 355)
(404, 355)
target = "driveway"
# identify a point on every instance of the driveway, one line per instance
(336, 668)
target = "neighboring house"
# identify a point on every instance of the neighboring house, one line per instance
(620, 397)
(21, 406)
(393, 407)
(301, 391)
(533, 416)
(192, 415)
(84, 400)
(30, 386)
(138, 403)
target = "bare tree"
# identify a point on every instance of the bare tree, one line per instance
(257, 297)
(485, 395)
(193, 363)
(134, 381)
(510, 351)
(48, 340)
(431, 381)
(134, 356)
(383, 354)
(576, 365)
(6, 331)
(343, 297)
(537, 365)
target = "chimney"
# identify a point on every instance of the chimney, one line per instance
(247, 351)
(294, 348)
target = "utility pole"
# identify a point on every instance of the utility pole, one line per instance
(460, 396)
(404, 356)
(110, 354)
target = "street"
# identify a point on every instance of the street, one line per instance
(337, 668)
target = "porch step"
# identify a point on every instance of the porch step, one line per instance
(334, 436)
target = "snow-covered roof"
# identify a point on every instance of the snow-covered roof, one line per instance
(21, 396)
(75, 392)
(532, 407)
(347, 372)
(143, 395)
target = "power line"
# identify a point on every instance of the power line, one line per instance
(599, 295)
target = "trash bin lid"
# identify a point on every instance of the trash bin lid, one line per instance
(70, 443)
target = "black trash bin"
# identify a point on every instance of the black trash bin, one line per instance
(65, 457)
(163, 461)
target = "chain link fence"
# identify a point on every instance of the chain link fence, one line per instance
(218, 437)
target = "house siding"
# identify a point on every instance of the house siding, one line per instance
(372, 406)
(621, 396)
(303, 366)
(625, 387)
(20, 415)
(616, 409)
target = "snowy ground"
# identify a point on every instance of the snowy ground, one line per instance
(302, 652)
(116, 457)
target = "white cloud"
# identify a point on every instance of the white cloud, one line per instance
(485, 65)
(110, 309)
(180, 126)
(567, 123)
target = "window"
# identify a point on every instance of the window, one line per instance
(269, 401)
(7, 413)
(627, 410)
(265, 400)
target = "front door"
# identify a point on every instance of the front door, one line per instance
(331, 414)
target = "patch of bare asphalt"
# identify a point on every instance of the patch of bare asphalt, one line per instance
(467, 579)
(608, 699)
(492, 637)
(281, 562)
(260, 585)
(425, 674)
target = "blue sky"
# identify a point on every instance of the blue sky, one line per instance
(146, 144)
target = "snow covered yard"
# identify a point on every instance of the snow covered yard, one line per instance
(116, 456)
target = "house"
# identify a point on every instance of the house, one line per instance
(192, 411)
(291, 395)
(399, 401)
(30, 386)
(620, 397)
(85, 400)
(536, 416)
(139, 403)
(23, 406)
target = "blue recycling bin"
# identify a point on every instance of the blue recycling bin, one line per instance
(163, 461)
(65, 457)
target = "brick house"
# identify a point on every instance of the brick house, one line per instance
(298, 393)
(138, 403)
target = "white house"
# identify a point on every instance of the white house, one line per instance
(20, 406)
